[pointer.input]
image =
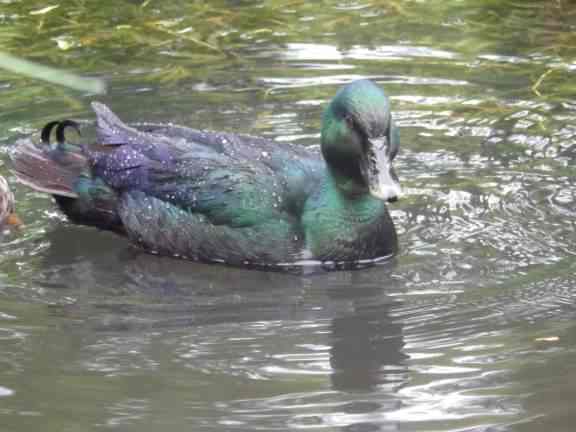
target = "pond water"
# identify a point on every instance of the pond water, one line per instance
(472, 326)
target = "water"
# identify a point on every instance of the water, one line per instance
(470, 328)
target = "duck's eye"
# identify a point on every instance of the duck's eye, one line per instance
(353, 125)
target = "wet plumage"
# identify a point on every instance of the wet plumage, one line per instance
(223, 197)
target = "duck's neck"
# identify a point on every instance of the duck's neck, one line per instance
(344, 185)
(343, 223)
(345, 196)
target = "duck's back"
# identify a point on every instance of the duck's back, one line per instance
(207, 196)
(298, 167)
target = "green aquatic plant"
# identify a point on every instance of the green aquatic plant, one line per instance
(53, 75)
(128, 35)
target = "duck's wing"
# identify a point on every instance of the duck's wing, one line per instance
(218, 215)
(279, 156)
(179, 197)
(248, 146)
(301, 168)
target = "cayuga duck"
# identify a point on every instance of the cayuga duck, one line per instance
(7, 215)
(228, 198)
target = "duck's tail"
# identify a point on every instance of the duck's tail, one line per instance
(47, 170)
(63, 170)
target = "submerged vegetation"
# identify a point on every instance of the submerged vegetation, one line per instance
(129, 36)
(221, 43)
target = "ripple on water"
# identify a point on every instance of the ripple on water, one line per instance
(5, 392)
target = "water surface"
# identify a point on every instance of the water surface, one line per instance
(471, 328)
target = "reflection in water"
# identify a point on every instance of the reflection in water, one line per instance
(367, 346)
(140, 314)
(194, 324)
(367, 356)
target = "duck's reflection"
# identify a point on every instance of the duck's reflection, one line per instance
(118, 290)
(367, 348)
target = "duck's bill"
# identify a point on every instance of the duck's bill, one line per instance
(14, 220)
(378, 172)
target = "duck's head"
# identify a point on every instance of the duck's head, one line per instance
(359, 141)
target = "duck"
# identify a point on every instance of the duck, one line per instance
(8, 216)
(235, 199)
